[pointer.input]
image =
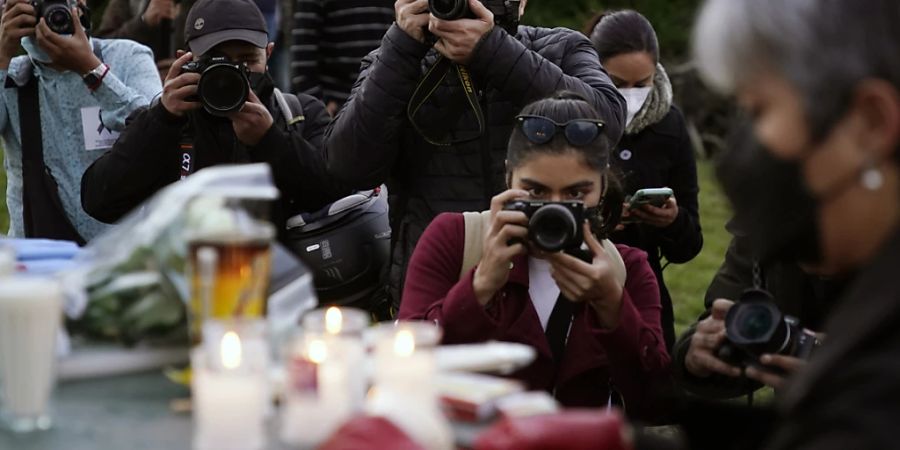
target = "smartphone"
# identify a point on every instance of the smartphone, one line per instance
(655, 196)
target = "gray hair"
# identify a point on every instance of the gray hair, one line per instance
(823, 48)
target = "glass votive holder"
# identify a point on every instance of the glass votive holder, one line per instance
(326, 377)
(231, 394)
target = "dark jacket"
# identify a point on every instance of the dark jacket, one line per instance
(122, 19)
(804, 296)
(849, 394)
(371, 140)
(661, 155)
(147, 158)
(631, 358)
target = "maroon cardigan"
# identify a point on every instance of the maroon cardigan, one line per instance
(631, 358)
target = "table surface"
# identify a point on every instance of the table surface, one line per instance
(130, 412)
(126, 412)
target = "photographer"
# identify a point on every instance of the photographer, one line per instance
(655, 151)
(822, 83)
(187, 130)
(62, 104)
(592, 312)
(443, 160)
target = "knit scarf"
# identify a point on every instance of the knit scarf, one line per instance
(658, 103)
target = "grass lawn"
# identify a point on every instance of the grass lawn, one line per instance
(688, 282)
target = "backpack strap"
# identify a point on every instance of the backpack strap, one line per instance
(476, 224)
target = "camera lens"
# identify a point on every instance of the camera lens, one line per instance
(552, 228)
(223, 89)
(754, 322)
(448, 9)
(59, 19)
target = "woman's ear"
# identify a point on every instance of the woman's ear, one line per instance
(878, 104)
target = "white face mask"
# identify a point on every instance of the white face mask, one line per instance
(635, 98)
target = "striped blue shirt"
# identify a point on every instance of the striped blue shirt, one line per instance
(131, 83)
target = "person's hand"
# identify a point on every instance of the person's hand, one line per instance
(252, 122)
(788, 364)
(179, 88)
(332, 108)
(18, 21)
(701, 359)
(593, 283)
(656, 217)
(68, 52)
(505, 238)
(457, 39)
(157, 11)
(412, 17)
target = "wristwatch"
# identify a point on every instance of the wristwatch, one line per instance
(94, 78)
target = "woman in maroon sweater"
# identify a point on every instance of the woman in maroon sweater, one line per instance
(598, 337)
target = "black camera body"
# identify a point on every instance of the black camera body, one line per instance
(224, 85)
(755, 326)
(57, 15)
(506, 12)
(552, 226)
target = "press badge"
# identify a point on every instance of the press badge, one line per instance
(96, 135)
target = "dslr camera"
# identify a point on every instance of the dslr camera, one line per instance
(552, 226)
(57, 13)
(224, 85)
(755, 326)
(506, 12)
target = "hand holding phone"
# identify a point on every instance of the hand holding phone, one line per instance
(655, 207)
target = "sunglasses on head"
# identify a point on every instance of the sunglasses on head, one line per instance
(541, 130)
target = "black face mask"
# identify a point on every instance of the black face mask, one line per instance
(262, 84)
(772, 205)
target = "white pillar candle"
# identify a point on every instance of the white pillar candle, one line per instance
(230, 386)
(404, 391)
(326, 377)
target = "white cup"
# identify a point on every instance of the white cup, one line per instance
(30, 315)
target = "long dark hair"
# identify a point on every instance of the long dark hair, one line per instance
(561, 108)
(616, 33)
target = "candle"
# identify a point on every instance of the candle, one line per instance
(229, 384)
(326, 381)
(404, 392)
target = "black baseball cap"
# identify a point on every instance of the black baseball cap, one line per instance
(212, 22)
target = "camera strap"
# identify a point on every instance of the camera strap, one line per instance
(558, 327)
(426, 88)
(43, 214)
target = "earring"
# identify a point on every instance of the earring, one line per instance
(872, 178)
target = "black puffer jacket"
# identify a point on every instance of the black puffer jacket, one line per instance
(371, 140)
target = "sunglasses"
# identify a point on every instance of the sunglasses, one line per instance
(578, 132)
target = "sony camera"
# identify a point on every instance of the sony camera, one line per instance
(506, 12)
(224, 85)
(56, 13)
(552, 226)
(755, 326)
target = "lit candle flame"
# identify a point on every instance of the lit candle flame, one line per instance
(318, 351)
(404, 343)
(333, 320)
(231, 350)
